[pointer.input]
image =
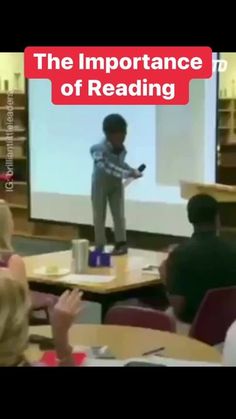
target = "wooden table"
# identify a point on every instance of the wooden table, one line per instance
(129, 280)
(126, 342)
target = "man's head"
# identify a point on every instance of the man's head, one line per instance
(115, 130)
(203, 212)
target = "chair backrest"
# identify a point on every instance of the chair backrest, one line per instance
(216, 313)
(140, 317)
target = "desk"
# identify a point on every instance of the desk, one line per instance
(126, 342)
(129, 281)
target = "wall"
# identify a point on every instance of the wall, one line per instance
(11, 63)
(226, 88)
(180, 134)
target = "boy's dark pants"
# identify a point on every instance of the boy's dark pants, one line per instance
(108, 191)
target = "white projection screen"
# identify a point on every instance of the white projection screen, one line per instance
(175, 142)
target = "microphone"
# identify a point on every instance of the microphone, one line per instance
(141, 169)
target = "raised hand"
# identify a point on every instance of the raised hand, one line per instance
(62, 316)
(66, 309)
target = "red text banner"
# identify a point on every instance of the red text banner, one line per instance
(119, 75)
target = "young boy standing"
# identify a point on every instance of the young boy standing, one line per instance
(109, 170)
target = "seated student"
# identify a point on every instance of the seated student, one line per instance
(38, 299)
(203, 262)
(14, 333)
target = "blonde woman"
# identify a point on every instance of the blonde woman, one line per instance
(39, 300)
(14, 308)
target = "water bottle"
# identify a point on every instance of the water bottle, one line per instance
(80, 254)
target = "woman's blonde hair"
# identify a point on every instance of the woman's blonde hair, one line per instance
(6, 227)
(14, 310)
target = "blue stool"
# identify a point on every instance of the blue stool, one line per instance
(99, 259)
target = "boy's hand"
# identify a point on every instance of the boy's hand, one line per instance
(136, 174)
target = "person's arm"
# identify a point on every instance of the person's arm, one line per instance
(16, 266)
(102, 161)
(178, 304)
(175, 282)
(62, 317)
(163, 266)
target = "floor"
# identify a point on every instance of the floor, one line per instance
(29, 246)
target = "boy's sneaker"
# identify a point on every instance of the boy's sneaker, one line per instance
(120, 249)
(99, 249)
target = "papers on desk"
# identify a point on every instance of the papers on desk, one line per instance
(171, 362)
(151, 270)
(155, 360)
(75, 279)
(104, 363)
(94, 360)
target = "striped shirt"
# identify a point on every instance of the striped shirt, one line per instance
(112, 164)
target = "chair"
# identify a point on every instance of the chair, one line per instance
(216, 313)
(39, 317)
(140, 317)
(41, 304)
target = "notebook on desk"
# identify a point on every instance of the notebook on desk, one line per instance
(85, 356)
(49, 358)
(151, 270)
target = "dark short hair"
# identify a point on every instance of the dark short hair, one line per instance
(114, 123)
(202, 209)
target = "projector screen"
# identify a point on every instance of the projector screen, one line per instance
(175, 142)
